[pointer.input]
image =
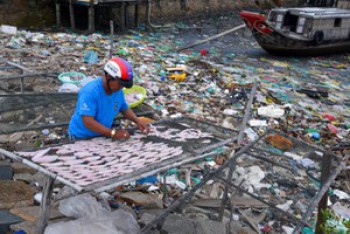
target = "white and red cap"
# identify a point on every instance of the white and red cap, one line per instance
(121, 70)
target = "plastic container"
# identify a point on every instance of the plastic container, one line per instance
(135, 89)
(65, 77)
(7, 29)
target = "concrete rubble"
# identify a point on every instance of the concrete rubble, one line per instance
(306, 98)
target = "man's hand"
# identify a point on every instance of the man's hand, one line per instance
(121, 134)
(129, 114)
(143, 127)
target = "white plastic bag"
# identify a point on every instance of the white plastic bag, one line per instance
(270, 111)
(92, 218)
(68, 88)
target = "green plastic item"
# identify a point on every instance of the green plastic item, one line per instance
(65, 77)
(172, 171)
(311, 130)
(307, 230)
(136, 89)
(195, 180)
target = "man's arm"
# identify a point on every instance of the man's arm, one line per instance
(93, 125)
(130, 115)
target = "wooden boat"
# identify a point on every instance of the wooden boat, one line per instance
(301, 31)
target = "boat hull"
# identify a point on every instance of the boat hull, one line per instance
(278, 44)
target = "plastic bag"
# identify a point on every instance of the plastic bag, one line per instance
(82, 206)
(68, 88)
(92, 218)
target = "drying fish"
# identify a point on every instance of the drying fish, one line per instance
(64, 152)
(82, 154)
(27, 154)
(41, 153)
(45, 159)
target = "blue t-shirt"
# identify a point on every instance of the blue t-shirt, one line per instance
(93, 101)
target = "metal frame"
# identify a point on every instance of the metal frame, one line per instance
(111, 183)
(248, 150)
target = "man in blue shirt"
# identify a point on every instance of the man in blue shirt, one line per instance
(101, 100)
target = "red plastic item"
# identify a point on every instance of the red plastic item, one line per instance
(329, 117)
(332, 128)
(266, 229)
(204, 52)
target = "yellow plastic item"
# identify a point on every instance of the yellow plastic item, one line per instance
(136, 89)
(146, 120)
(178, 74)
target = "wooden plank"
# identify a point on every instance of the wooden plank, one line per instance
(91, 19)
(241, 202)
(137, 9)
(45, 205)
(58, 14)
(71, 14)
(122, 17)
(325, 173)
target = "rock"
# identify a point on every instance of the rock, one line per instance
(4, 139)
(176, 224)
(142, 199)
(129, 210)
(32, 213)
(40, 178)
(30, 134)
(21, 168)
(233, 227)
(215, 190)
(26, 177)
(15, 194)
(146, 218)
(155, 212)
(6, 171)
(23, 146)
(6, 220)
(246, 230)
(14, 137)
(279, 142)
(209, 227)
(197, 216)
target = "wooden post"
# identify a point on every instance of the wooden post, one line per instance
(325, 173)
(111, 25)
(71, 14)
(137, 9)
(91, 18)
(58, 14)
(247, 112)
(122, 16)
(229, 178)
(148, 17)
(45, 205)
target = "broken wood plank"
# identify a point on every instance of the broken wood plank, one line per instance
(243, 202)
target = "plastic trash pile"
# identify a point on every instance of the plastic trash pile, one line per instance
(307, 98)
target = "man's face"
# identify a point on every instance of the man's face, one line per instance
(115, 86)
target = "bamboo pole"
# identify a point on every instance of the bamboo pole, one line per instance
(212, 37)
